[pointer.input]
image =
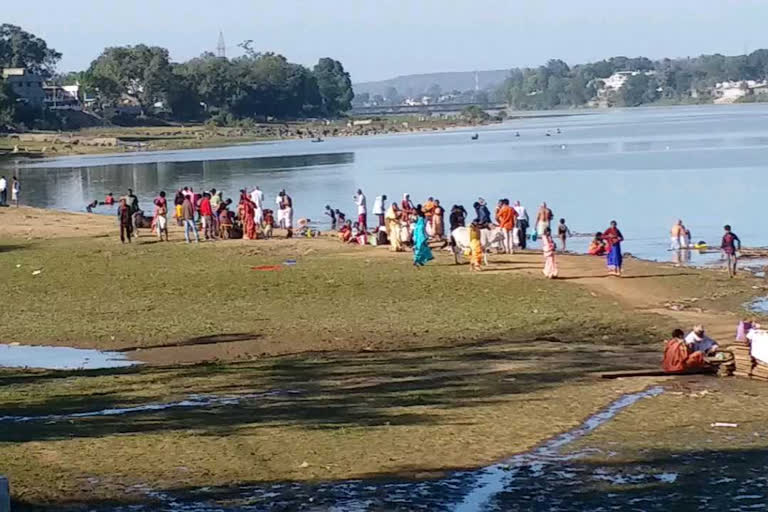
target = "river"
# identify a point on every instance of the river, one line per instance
(644, 167)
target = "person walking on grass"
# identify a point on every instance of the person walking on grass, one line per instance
(730, 244)
(188, 215)
(125, 218)
(3, 190)
(421, 251)
(15, 189)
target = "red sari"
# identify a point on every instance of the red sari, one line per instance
(247, 211)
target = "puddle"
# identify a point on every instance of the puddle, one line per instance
(60, 358)
(194, 401)
(759, 305)
(459, 491)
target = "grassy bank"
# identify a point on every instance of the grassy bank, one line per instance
(393, 370)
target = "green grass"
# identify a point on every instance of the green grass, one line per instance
(98, 293)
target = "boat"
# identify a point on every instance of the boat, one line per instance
(318, 140)
(475, 136)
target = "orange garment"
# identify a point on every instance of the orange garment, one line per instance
(506, 217)
(677, 358)
(428, 209)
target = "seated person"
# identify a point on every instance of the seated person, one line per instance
(359, 235)
(697, 341)
(597, 245)
(109, 200)
(679, 358)
(345, 233)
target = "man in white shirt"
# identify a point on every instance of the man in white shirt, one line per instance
(3, 191)
(379, 207)
(280, 213)
(257, 197)
(697, 341)
(362, 213)
(521, 225)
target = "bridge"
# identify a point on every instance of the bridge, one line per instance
(437, 108)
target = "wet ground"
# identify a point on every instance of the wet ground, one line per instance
(60, 358)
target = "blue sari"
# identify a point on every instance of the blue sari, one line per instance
(421, 251)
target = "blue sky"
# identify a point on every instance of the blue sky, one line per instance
(384, 38)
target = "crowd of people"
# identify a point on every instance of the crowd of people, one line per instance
(399, 224)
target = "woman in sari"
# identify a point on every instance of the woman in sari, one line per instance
(548, 247)
(392, 222)
(246, 216)
(421, 251)
(438, 221)
(613, 239)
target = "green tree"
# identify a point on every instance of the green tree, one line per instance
(639, 89)
(20, 49)
(142, 73)
(7, 106)
(335, 86)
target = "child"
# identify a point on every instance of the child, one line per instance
(476, 254)
(563, 232)
(269, 223)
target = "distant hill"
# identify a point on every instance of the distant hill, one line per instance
(410, 85)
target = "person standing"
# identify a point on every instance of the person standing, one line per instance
(407, 207)
(245, 210)
(280, 212)
(206, 215)
(549, 248)
(421, 251)
(729, 247)
(523, 223)
(563, 233)
(378, 208)
(507, 217)
(287, 208)
(483, 219)
(613, 239)
(178, 200)
(188, 215)
(161, 219)
(393, 228)
(362, 213)
(677, 236)
(133, 201)
(257, 198)
(543, 219)
(15, 189)
(438, 221)
(3, 191)
(126, 223)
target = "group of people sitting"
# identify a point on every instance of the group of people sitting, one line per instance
(687, 353)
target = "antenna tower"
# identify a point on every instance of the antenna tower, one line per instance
(221, 48)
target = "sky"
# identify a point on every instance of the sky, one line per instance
(379, 39)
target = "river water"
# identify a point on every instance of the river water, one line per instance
(643, 167)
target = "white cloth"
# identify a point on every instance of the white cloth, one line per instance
(279, 201)
(162, 223)
(759, 345)
(288, 217)
(258, 216)
(257, 196)
(378, 205)
(360, 201)
(3, 184)
(521, 213)
(699, 343)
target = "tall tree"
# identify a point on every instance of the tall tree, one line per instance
(140, 72)
(335, 86)
(20, 49)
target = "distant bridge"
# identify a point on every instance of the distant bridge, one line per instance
(422, 109)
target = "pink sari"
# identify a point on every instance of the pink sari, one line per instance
(550, 265)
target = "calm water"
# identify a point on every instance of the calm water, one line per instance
(642, 167)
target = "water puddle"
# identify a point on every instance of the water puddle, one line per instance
(194, 401)
(60, 358)
(759, 305)
(460, 491)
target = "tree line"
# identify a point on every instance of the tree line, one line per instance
(257, 85)
(689, 80)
